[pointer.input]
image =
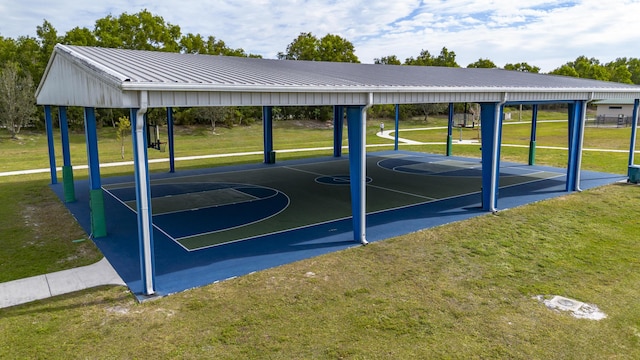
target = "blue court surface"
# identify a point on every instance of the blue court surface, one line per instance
(214, 224)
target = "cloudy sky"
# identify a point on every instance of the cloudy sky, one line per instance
(544, 33)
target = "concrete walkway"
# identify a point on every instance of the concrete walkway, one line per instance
(62, 282)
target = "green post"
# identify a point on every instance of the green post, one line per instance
(98, 224)
(532, 152)
(96, 199)
(67, 180)
(449, 144)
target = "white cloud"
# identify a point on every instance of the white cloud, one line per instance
(546, 33)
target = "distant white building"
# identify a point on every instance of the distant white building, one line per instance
(614, 107)
(614, 111)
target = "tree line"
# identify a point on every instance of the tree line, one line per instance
(23, 61)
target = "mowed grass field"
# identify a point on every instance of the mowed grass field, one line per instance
(464, 290)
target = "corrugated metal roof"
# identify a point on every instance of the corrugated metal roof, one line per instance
(125, 71)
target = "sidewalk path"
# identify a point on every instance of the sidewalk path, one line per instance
(387, 135)
(62, 282)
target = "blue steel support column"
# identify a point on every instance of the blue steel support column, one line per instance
(534, 130)
(96, 197)
(52, 151)
(582, 122)
(357, 170)
(491, 131)
(267, 126)
(143, 200)
(67, 169)
(396, 139)
(450, 130)
(634, 129)
(170, 141)
(338, 125)
(574, 145)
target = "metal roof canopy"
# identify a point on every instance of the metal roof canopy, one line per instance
(92, 77)
(113, 78)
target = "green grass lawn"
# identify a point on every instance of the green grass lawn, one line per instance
(463, 290)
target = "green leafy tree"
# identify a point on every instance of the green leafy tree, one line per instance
(565, 70)
(215, 115)
(193, 44)
(196, 44)
(590, 68)
(8, 50)
(123, 128)
(387, 60)
(80, 36)
(336, 49)
(445, 58)
(304, 47)
(586, 68)
(482, 64)
(619, 71)
(633, 65)
(432, 109)
(107, 33)
(424, 59)
(523, 67)
(140, 31)
(218, 47)
(329, 48)
(29, 56)
(17, 101)
(620, 74)
(48, 37)
(386, 111)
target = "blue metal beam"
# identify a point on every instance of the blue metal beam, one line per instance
(450, 130)
(170, 141)
(338, 125)
(532, 139)
(634, 129)
(491, 131)
(267, 125)
(92, 148)
(143, 202)
(575, 134)
(67, 169)
(52, 152)
(396, 139)
(64, 135)
(356, 123)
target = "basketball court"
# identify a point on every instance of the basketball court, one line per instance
(218, 223)
(213, 224)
